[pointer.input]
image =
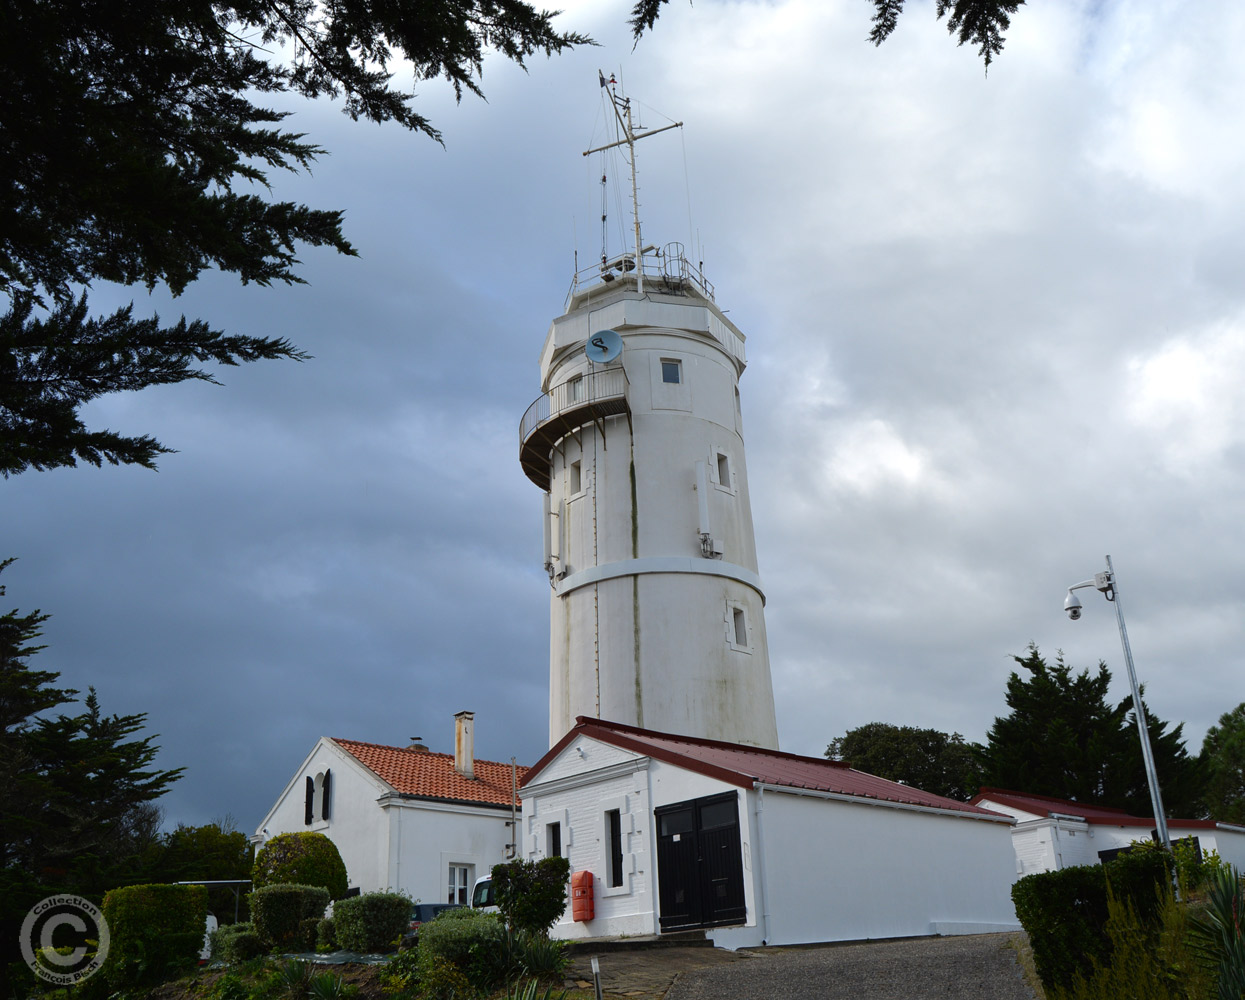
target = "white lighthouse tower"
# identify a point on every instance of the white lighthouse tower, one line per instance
(657, 610)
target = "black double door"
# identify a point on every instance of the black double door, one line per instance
(699, 863)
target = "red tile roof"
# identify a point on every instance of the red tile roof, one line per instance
(743, 766)
(1044, 805)
(432, 775)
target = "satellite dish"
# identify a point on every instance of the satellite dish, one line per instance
(603, 346)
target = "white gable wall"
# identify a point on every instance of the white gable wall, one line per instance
(355, 824)
(576, 791)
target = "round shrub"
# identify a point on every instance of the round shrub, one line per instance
(156, 932)
(282, 913)
(472, 941)
(371, 922)
(236, 943)
(300, 859)
(326, 935)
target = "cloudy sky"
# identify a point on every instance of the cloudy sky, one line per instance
(996, 330)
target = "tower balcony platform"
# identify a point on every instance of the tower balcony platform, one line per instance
(565, 408)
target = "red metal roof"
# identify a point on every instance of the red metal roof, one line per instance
(432, 775)
(743, 766)
(1044, 805)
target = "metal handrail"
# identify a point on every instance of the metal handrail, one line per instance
(592, 386)
(666, 270)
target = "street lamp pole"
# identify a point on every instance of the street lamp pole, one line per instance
(1106, 584)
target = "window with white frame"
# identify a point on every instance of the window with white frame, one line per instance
(614, 848)
(553, 840)
(737, 628)
(575, 483)
(671, 370)
(319, 798)
(459, 884)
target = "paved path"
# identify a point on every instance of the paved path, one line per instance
(980, 967)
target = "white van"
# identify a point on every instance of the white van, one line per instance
(482, 897)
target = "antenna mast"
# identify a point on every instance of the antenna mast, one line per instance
(629, 140)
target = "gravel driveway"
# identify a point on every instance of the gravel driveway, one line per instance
(977, 967)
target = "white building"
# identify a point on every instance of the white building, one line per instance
(757, 846)
(1051, 833)
(657, 611)
(404, 819)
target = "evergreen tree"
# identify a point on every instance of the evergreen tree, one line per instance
(1064, 739)
(76, 791)
(923, 758)
(132, 150)
(1223, 758)
(977, 22)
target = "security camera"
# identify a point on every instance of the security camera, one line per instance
(1072, 605)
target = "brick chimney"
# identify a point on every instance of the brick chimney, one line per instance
(464, 744)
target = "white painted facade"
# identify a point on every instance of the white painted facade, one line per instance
(391, 841)
(1054, 840)
(657, 610)
(817, 866)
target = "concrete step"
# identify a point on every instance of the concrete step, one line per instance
(675, 939)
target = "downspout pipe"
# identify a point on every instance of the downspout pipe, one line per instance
(759, 812)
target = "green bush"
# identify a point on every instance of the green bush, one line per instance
(532, 894)
(278, 912)
(538, 956)
(236, 943)
(230, 987)
(326, 935)
(156, 933)
(401, 973)
(472, 941)
(1218, 931)
(443, 980)
(300, 859)
(293, 979)
(327, 986)
(1065, 912)
(1152, 959)
(371, 922)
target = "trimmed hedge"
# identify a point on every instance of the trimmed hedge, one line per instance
(236, 943)
(279, 912)
(1065, 912)
(156, 933)
(371, 922)
(469, 940)
(326, 935)
(300, 859)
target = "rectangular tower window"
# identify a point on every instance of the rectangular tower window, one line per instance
(724, 471)
(577, 479)
(671, 371)
(613, 834)
(741, 626)
(575, 389)
(553, 840)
